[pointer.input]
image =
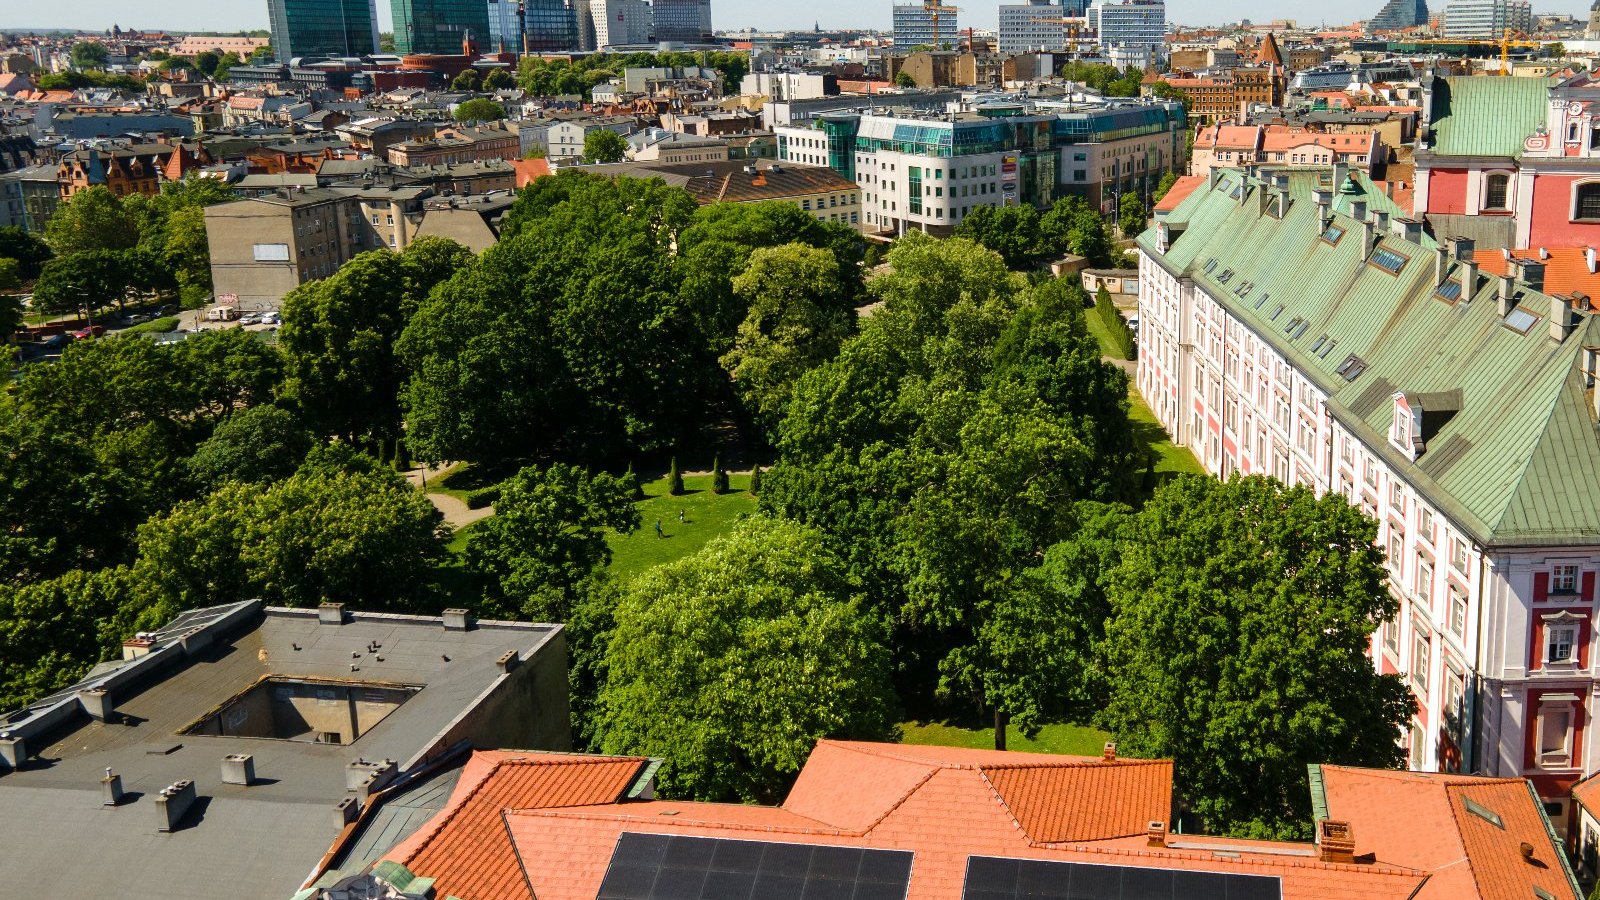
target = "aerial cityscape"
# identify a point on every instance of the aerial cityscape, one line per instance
(681, 450)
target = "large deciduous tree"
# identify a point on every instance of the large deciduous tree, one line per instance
(1242, 616)
(602, 146)
(29, 252)
(545, 546)
(93, 219)
(730, 664)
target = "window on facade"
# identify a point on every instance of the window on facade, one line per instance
(1458, 554)
(1421, 658)
(1425, 580)
(1494, 190)
(1564, 580)
(1587, 201)
(1555, 726)
(1425, 521)
(1397, 547)
(1560, 642)
(1419, 746)
(1391, 636)
(1455, 691)
(1458, 612)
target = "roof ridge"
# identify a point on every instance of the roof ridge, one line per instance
(579, 812)
(1245, 858)
(1078, 762)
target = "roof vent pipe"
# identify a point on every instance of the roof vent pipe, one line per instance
(1531, 273)
(1469, 279)
(1324, 201)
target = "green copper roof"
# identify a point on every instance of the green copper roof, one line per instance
(1487, 115)
(1514, 463)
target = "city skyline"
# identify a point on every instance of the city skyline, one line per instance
(237, 15)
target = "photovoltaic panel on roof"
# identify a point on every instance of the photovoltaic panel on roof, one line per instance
(992, 878)
(679, 867)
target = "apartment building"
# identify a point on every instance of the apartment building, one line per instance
(453, 146)
(1294, 326)
(927, 24)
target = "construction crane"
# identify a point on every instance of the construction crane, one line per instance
(1506, 43)
(936, 9)
(1072, 25)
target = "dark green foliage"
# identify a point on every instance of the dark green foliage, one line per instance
(563, 77)
(632, 478)
(1130, 215)
(1167, 181)
(674, 479)
(29, 252)
(339, 336)
(266, 443)
(545, 546)
(52, 632)
(1011, 231)
(483, 498)
(1115, 325)
(602, 146)
(719, 476)
(1071, 226)
(402, 456)
(730, 664)
(467, 80)
(755, 481)
(479, 110)
(1242, 613)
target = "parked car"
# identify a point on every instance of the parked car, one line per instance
(89, 332)
(55, 342)
(271, 318)
(251, 319)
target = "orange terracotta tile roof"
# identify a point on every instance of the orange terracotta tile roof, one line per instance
(530, 170)
(1423, 821)
(1587, 793)
(1230, 136)
(1566, 269)
(467, 848)
(1181, 189)
(1287, 140)
(1093, 801)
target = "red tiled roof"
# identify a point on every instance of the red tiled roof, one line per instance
(1422, 821)
(1587, 793)
(530, 170)
(1229, 136)
(467, 849)
(1094, 801)
(1181, 189)
(1566, 269)
(1276, 140)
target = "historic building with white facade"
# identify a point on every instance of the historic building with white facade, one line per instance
(1292, 325)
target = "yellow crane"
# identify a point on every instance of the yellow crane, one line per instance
(1074, 25)
(935, 10)
(1506, 43)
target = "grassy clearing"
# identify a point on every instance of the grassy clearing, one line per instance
(1073, 740)
(459, 480)
(1171, 459)
(706, 515)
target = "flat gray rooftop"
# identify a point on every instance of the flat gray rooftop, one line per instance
(259, 840)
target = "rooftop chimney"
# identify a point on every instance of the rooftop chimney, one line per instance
(1324, 201)
(172, 803)
(96, 702)
(1563, 319)
(1441, 264)
(239, 768)
(1469, 278)
(345, 812)
(1589, 259)
(1340, 173)
(330, 614)
(1157, 834)
(1409, 229)
(138, 646)
(1335, 842)
(1507, 294)
(1530, 272)
(1110, 751)
(455, 620)
(1461, 247)
(1526, 849)
(111, 789)
(13, 750)
(1358, 210)
(508, 661)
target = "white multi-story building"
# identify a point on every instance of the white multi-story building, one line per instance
(1035, 26)
(928, 171)
(607, 23)
(1486, 18)
(1129, 23)
(926, 24)
(1295, 329)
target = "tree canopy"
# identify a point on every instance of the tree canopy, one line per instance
(602, 146)
(479, 110)
(730, 664)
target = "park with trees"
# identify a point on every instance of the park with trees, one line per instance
(950, 512)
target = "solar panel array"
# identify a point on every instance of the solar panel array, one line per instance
(678, 867)
(990, 878)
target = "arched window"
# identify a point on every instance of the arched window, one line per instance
(1494, 190)
(1586, 201)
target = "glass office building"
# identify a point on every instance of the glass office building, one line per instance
(552, 26)
(683, 21)
(323, 28)
(439, 26)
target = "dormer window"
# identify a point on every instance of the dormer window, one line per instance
(1402, 432)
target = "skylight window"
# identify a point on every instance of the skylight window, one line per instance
(1317, 344)
(1211, 264)
(1243, 290)
(1327, 349)
(1277, 312)
(1520, 320)
(1225, 277)
(1292, 323)
(1388, 260)
(1299, 331)
(1449, 292)
(1351, 368)
(1262, 300)
(1483, 812)
(1332, 234)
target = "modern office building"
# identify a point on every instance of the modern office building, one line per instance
(1398, 14)
(439, 26)
(505, 26)
(928, 171)
(1486, 18)
(607, 23)
(1130, 23)
(1038, 25)
(323, 28)
(926, 24)
(683, 21)
(549, 25)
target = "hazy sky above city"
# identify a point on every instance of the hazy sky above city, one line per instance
(234, 15)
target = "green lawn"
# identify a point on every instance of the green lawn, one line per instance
(706, 515)
(456, 481)
(1074, 740)
(1171, 459)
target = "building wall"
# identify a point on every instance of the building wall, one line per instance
(245, 238)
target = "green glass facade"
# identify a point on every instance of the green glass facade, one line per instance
(323, 28)
(439, 26)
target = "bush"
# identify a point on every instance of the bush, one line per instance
(632, 478)
(483, 498)
(154, 326)
(674, 479)
(1116, 325)
(719, 476)
(402, 456)
(755, 480)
